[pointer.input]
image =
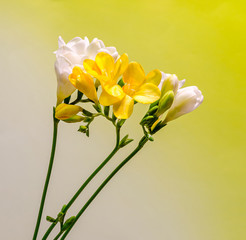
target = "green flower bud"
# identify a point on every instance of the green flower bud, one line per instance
(50, 219)
(74, 119)
(68, 223)
(165, 102)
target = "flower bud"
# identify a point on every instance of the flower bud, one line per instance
(165, 102)
(170, 82)
(74, 119)
(68, 112)
(186, 100)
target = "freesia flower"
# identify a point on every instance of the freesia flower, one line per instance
(186, 100)
(73, 54)
(68, 113)
(178, 101)
(137, 86)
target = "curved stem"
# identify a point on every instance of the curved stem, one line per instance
(87, 181)
(140, 145)
(47, 176)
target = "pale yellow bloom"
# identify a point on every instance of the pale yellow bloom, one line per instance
(68, 113)
(137, 86)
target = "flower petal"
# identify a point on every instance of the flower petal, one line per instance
(91, 68)
(120, 66)
(65, 111)
(154, 77)
(111, 95)
(134, 75)
(105, 62)
(64, 88)
(124, 108)
(147, 93)
(84, 83)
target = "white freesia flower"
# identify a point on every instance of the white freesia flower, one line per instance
(186, 100)
(170, 82)
(73, 54)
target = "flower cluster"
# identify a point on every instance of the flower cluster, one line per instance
(107, 79)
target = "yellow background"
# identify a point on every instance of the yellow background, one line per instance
(190, 183)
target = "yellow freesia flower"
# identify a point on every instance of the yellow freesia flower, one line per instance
(67, 113)
(137, 86)
(84, 83)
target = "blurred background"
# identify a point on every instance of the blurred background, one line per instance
(189, 183)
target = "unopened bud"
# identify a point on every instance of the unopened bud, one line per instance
(83, 129)
(165, 102)
(74, 119)
(68, 223)
(66, 111)
(50, 219)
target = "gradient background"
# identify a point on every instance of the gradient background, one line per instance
(188, 184)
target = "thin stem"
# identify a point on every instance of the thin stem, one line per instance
(140, 145)
(87, 181)
(58, 235)
(47, 176)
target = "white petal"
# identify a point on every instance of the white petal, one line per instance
(61, 42)
(186, 100)
(93, 49)
(63, 68)
(73, 41)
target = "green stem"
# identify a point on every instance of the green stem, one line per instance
(58, 235)
(87, 181)
(140, 145)
(47, 176)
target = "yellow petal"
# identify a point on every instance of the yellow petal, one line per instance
(124, 108)
(134, 75)
(65, 111)
(91, 68)
(84, 83)
(111, 95)
(120, 66)
(147, 93)
(154, 77)
(105, 62)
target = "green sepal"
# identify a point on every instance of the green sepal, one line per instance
(158, 127)
(165, 102)
(146, 119)
(153, 104)
(97, 107)
(129, 140)
(87, 113)
(87, 119)
(152, 110)
(68, 223)
(60, 217)
(106, 110)
(66, 100)
(63, 208)
(74, 119)
(121, 82)
(82, 129)
(121, 122)
(113, 118)
(150, 137)
(124, 141)
(50, 219)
